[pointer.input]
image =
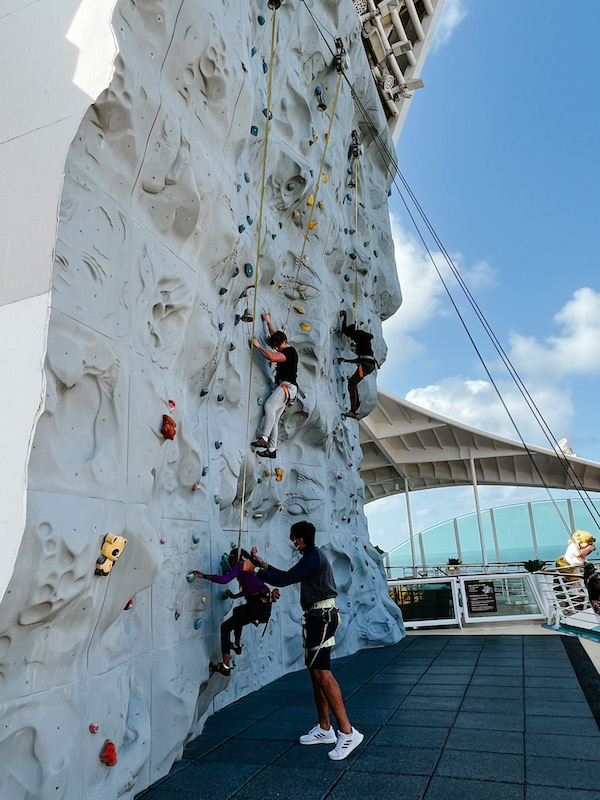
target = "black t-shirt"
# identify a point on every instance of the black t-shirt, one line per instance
(362, 340)
(287, 370)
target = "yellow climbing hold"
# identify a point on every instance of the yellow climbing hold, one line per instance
(305, 326)
(302, 287)
(278, 286)
(324, 177)
(300, 309)
(310, 201)
(266, 473)
(295, 215)
(278, 474)
(321, 204)
(312, 224)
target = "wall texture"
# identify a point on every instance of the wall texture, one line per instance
(158, 223)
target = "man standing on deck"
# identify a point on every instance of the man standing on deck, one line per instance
(317, 597)
(286, 391)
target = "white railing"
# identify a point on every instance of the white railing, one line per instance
(564, 594)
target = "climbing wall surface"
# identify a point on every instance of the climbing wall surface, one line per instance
(156, 261)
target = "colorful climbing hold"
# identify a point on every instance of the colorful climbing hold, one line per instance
(267, 113)
(260, 401)
(347, 278)
(236, 272)
(220, 398)
(312, 224)
(300, 309)
(108, 754)
(367, 243)
(324, 177)
(238, 187)
(92, 727)
(261, 20)
(376, 253)
(310, 201)
(265, 67)
(232, 346)
(237, 319)
(254, 130)
(352, 256)
(204, 471)
(195, 487)
(257, 516)
(203, 599)
(217, 499)
(248, 270)
(221, 325)
(295, 214)
(351, 231)
(168, 427)
(195, 537)
(129, 604)
(203, 392)
(253, 52)
(218, 445)
(278, 474)
(321, 204)
(190, 577)
(223, 290)
(249, 220)
(241, 228)
(305, 326)
(112, 547)
(197, 623)
(171, 404)
(246, 177)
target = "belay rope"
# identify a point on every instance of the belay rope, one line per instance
(259, 233)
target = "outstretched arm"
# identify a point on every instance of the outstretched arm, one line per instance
(270, 355)
(276, 577)
(267, 319)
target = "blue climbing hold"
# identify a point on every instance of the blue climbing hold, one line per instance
(221, 325)
(241, 228)
(265, 67)
(218, 445)
(232, 346)
(261, 20)
(197, 623)
(238, 186)
(249, 220)
(267, 113)
(347, 278)
(220, 398)
(376, 253)
(345, 230)
(351, 231)
(348, 198)
(253, 52)
(237, 319)
(195, 537)
(236, 272)
(254, 130)
(204, 471)
(352, 256)
(246, 177)
(203, 392)
(223, 290)
(218, 499)
(190, 577)
(248, 270)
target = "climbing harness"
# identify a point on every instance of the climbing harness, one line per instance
(326, 611)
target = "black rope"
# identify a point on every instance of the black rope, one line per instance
(389, 159)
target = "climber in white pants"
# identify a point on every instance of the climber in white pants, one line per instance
(285, 358)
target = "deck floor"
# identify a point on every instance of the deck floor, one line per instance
(492, 717)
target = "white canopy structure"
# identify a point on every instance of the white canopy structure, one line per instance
(407, 448)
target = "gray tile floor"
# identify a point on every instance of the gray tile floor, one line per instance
(444, 717)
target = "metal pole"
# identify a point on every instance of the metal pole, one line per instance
(536, 552)
(478, 510)
(410, 526)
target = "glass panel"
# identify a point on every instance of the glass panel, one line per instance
(499, 597)
(514, 533)
(440, 543)
(470, 543)
(550, 531)
(424, 601)
(584, 520)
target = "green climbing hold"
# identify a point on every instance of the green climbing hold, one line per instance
(223, 290)
(376, 253)
(260, 401)
(291, 187)
(367, 243)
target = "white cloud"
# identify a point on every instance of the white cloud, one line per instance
(422, 293)
(453, 13)
(575, 352)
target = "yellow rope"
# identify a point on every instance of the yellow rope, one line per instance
(260, 219)
(300, 258)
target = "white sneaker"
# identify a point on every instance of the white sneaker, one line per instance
(346, 743)
(318, 736)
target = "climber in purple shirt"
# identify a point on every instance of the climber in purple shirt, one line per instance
(257, 607)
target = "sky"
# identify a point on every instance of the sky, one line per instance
(501, 150)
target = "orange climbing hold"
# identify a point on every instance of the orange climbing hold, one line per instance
(112, 548)
(278, 474)
(168, 427)
(108, 754)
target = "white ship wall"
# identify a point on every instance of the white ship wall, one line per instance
(147, 280)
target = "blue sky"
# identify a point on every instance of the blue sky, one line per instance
(501, 149)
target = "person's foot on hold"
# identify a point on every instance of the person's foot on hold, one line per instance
(223, 669)
(267, 453)
(237, 648)
(318, 735)
(351, 414)
(346, 743)
(260, 442)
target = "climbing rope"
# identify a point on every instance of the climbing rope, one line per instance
(355, 153)
(391, 166)
(256, 273)
(300, 259)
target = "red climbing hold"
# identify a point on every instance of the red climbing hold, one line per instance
(171, 404)
(93, 728)
(168, 428)
(129, 604)
(108, 754)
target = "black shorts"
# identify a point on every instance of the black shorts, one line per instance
(319, 626)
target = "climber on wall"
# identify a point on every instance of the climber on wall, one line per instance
(321, 618)
(361, 341)
(286, 390)
(256, 609)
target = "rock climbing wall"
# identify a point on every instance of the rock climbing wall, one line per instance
(157, 258)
